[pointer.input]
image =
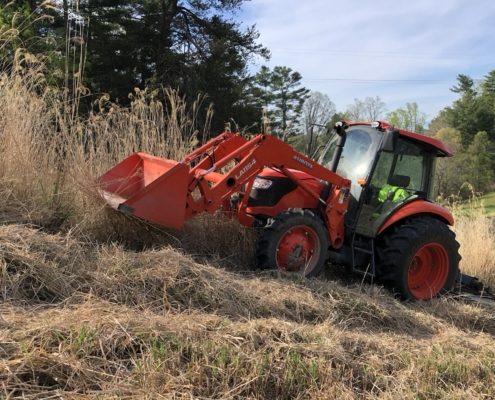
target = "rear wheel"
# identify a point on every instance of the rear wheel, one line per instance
(419, 259)
(295, 241)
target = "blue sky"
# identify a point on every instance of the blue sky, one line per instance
(400, 50)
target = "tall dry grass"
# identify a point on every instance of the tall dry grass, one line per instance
(49, 159)
(476, 234)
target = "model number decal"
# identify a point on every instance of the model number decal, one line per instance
(245, 169)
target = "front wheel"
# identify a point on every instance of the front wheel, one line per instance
(419, 258)
(295, 241)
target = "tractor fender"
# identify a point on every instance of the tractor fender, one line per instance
(418, 207)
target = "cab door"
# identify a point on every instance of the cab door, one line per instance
(398, 177)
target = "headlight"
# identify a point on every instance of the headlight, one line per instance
(261, 183)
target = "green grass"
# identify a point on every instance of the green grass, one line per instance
(489, 203)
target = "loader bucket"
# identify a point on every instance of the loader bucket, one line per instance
(148, 187)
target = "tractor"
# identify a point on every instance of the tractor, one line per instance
(367, 203)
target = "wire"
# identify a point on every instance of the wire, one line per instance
(370, 80)
(380, 54)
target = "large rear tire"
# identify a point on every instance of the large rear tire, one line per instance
(419, 258)
(295, 241)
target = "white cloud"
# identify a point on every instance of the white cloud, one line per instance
(423, 44)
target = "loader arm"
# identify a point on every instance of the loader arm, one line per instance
(207, 178)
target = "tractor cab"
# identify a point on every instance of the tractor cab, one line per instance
(388, 168)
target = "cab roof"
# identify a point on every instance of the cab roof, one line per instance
(442, 149)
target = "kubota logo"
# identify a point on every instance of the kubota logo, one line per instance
(245, 169)
(303, 161)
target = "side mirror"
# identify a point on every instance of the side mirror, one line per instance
(390, 140)
(340, 128)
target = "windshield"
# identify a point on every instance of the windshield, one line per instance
(327, 153)
(360, 149)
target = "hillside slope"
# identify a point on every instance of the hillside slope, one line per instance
(88, 320)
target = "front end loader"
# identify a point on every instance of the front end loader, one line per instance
(367, 202)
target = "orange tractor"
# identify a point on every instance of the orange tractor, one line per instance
(367, 202)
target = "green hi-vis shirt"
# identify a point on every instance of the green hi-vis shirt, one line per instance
(399, 193)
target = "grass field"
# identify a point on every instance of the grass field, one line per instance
(484, 204)
(489, 203)
(94, 305)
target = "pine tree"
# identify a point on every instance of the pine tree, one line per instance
(472, 112)
(192, 45)
(288, 99)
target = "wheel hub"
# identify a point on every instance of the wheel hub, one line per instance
(428, 271)
(298, 250)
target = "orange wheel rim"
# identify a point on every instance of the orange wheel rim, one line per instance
(428, 271)
(298, 250)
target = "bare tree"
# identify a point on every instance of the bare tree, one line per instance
(318, 109)
(374, 108)
(369, 109)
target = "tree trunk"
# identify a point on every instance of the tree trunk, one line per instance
(67, 41)
(284, 119)
(169, 11)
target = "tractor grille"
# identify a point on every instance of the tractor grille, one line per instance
(270, 196)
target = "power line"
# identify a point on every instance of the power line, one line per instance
(370, 80)
(381, 54)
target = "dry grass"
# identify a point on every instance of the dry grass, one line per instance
(49, 160)
(475, 232)
(82, 320)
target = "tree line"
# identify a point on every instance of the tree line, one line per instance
(195, 46)
(468, 127)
